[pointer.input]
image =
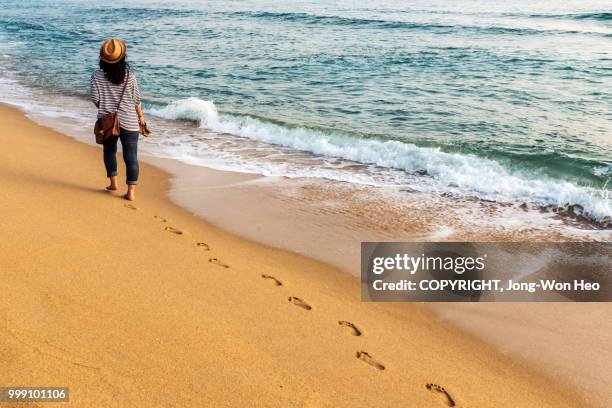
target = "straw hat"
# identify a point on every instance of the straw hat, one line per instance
(112, 50)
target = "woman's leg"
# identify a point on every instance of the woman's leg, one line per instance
(110, 162)
(129, 143)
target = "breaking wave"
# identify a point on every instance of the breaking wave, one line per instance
(456, 173)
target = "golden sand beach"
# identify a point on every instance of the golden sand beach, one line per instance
(145, 305)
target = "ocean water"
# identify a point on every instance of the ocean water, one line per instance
(501, 101)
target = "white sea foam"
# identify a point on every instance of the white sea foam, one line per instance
(457, 173)
(204, 112)
(602, 171)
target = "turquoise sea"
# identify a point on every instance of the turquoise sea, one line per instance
(505, 101)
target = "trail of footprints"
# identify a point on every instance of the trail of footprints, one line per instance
(361, 355)
(203, 245)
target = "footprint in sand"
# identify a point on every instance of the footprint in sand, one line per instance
(354, 329)
(174, 230)
(130, 206)
(160, 219)
(203, 245)
(366, 358)
(217, 262)
(299, 302)
(273, 279)
(441, 391)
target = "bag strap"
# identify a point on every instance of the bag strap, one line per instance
(127, 77)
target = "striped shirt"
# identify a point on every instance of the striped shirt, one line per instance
(105, 95)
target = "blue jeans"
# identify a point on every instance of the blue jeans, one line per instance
(129, 144)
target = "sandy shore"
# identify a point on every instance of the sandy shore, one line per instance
(569, 342)
(121, 304)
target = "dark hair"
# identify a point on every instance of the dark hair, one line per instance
(115, 73)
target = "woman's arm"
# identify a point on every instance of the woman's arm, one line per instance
(94, 93)
(136, 98)
(141, 118)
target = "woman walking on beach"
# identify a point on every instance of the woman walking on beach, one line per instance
(113, 88)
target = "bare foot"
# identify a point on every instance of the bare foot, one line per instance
(131, 193)
(112, 186)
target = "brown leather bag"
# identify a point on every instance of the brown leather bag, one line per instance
(108, 125)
